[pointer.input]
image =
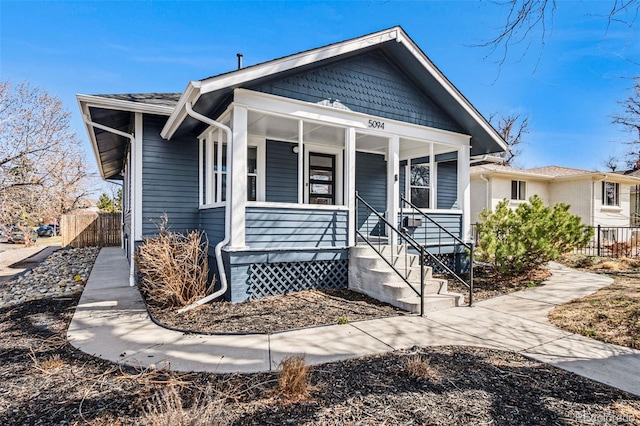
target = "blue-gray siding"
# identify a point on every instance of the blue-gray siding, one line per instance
(429, 234)
(212, 223)
(367, 83)
(447, 181)
(273, 228)
(281, 173)
(169, 179)
(371, 184)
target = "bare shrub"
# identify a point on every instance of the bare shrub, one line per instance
(610, 266)
(173, 267)
(419, 367)
(167, 409)
(293, 380)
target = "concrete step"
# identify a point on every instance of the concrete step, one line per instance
(432, 302)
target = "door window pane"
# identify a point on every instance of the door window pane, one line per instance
(321, 178)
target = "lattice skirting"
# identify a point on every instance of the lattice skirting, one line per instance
(271, 279)
(448, 259)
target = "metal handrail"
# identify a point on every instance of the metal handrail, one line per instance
(468, 246)
(409, 240)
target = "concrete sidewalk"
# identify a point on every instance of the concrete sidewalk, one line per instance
(111, 322)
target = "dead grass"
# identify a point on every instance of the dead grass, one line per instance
(293, 378)
(611, 314)
(173, 267)
(167, 408)
(419, 367)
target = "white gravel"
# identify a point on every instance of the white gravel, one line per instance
(63, 273)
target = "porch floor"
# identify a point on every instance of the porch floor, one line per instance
(111, 322)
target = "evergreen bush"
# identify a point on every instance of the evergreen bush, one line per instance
(520, 240)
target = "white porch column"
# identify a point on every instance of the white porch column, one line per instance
(236, 198)
(464, 190)
(350, 164)
(300, 162)
(393, 182)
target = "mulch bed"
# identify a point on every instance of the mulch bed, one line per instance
(46, 381)
(488, 284)
(278, 313)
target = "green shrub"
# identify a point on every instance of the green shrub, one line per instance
(517, 241)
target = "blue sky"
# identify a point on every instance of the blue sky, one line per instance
(569, 89)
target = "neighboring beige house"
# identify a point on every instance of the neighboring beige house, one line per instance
(599, 198)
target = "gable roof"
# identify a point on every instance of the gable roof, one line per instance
(550, 173)
(206, 96)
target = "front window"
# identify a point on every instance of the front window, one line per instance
(518, 190)
(213, 163)
(252, 173)
(420, 185)
(610, 194)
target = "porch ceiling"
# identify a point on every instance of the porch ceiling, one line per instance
(280, 128)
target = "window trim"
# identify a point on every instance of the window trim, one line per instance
(616, 201)
(208, 142)
(521, 190)
(430, 187)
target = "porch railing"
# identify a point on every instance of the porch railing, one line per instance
(378, 244)
(444, 238)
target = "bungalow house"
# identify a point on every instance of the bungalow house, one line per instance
(599, 198)
(290, 165)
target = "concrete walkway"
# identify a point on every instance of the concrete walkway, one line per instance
(111, 322)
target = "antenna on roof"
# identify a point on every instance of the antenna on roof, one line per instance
(239, 55)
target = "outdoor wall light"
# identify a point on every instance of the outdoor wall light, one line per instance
(295, 149)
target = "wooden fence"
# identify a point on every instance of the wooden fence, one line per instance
(102, 230)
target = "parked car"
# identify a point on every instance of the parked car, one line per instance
(55, 227)
(45, 231)
(16, 236)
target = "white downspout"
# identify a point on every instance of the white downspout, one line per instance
(132, 266)
(227, 213)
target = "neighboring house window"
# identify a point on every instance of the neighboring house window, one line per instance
(610, 194)
(518, 190)
(420, 185)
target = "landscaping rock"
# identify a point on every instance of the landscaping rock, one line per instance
(55, 277)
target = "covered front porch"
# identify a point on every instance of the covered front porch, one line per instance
(294, 169)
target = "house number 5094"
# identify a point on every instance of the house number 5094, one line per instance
(376, 124)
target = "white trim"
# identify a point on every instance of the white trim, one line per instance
(301, 172)
(200, 171)
(393, 183)
(219, 169)
(350, 162)
(287, 249)
(464, 192)
(122, 105)
(237, 172)
(137, 146)
(296, 206)
(260, 144)
(433, 184)
(213, 205)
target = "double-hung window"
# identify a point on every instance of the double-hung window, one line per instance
(214, 168)
(518, 190)
(420, 185)
(610, 194)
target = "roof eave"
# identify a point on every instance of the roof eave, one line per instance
(179, 113)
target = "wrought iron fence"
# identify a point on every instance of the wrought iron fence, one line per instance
(608, 241)
(614, 241)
